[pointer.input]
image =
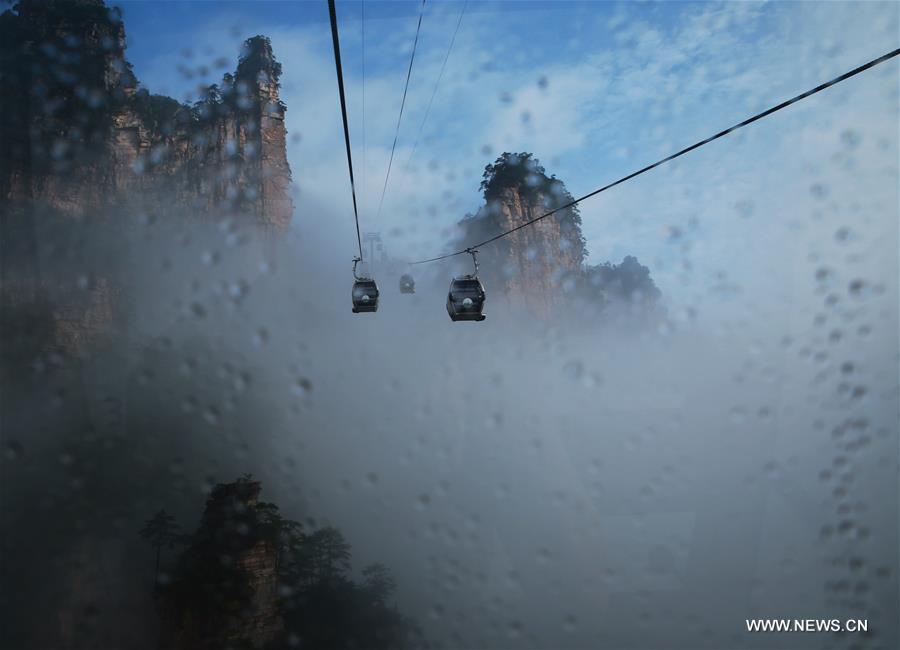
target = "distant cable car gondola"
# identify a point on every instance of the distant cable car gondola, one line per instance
(407, 283)
(465, 301)
(365, 292)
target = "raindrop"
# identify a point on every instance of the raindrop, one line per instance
(301, 387)
(823, 274)
(261, 337)
(494, 421)
(857, 287)
(13, 450)
(211, 415)
(574, 370)
(846, 527)
(850, 138)
(237, 290)
(660, 559)
(189, 404)
(744, 208)
(819, 191)
(738, 414)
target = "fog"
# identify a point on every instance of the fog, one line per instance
(532, 483)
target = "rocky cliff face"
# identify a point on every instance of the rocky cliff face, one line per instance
(541, 268)
(224, 593)
(536, 259)
(82, 137)
(528, 267)
(81, 141)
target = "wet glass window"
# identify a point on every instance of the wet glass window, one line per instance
(674, 427)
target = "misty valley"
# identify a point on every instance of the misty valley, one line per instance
(375, 325)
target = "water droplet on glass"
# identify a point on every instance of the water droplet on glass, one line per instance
(819, 191)
(301, 387)
(12, 450)
(850, 139)
(573, 370)
(261, 337)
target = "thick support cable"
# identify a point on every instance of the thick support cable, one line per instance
(362, 6)
(340, 78)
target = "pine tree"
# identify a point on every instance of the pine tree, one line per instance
(162, 530)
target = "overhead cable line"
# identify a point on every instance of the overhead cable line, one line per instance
(720, 134)
(437, 83)
(402, 104)
(362, 6)
(340, 79)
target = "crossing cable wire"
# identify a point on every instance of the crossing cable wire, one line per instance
(340, 79)
(720, 134)
(437, 83)
(402, 104)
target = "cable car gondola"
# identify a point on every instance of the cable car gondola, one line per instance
(407, 283)
(365, 292)
(465, 301)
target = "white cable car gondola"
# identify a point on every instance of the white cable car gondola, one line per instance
(465, 301)
(407, 283)
(365, 292)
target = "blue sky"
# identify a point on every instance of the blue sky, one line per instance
(595, 90)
